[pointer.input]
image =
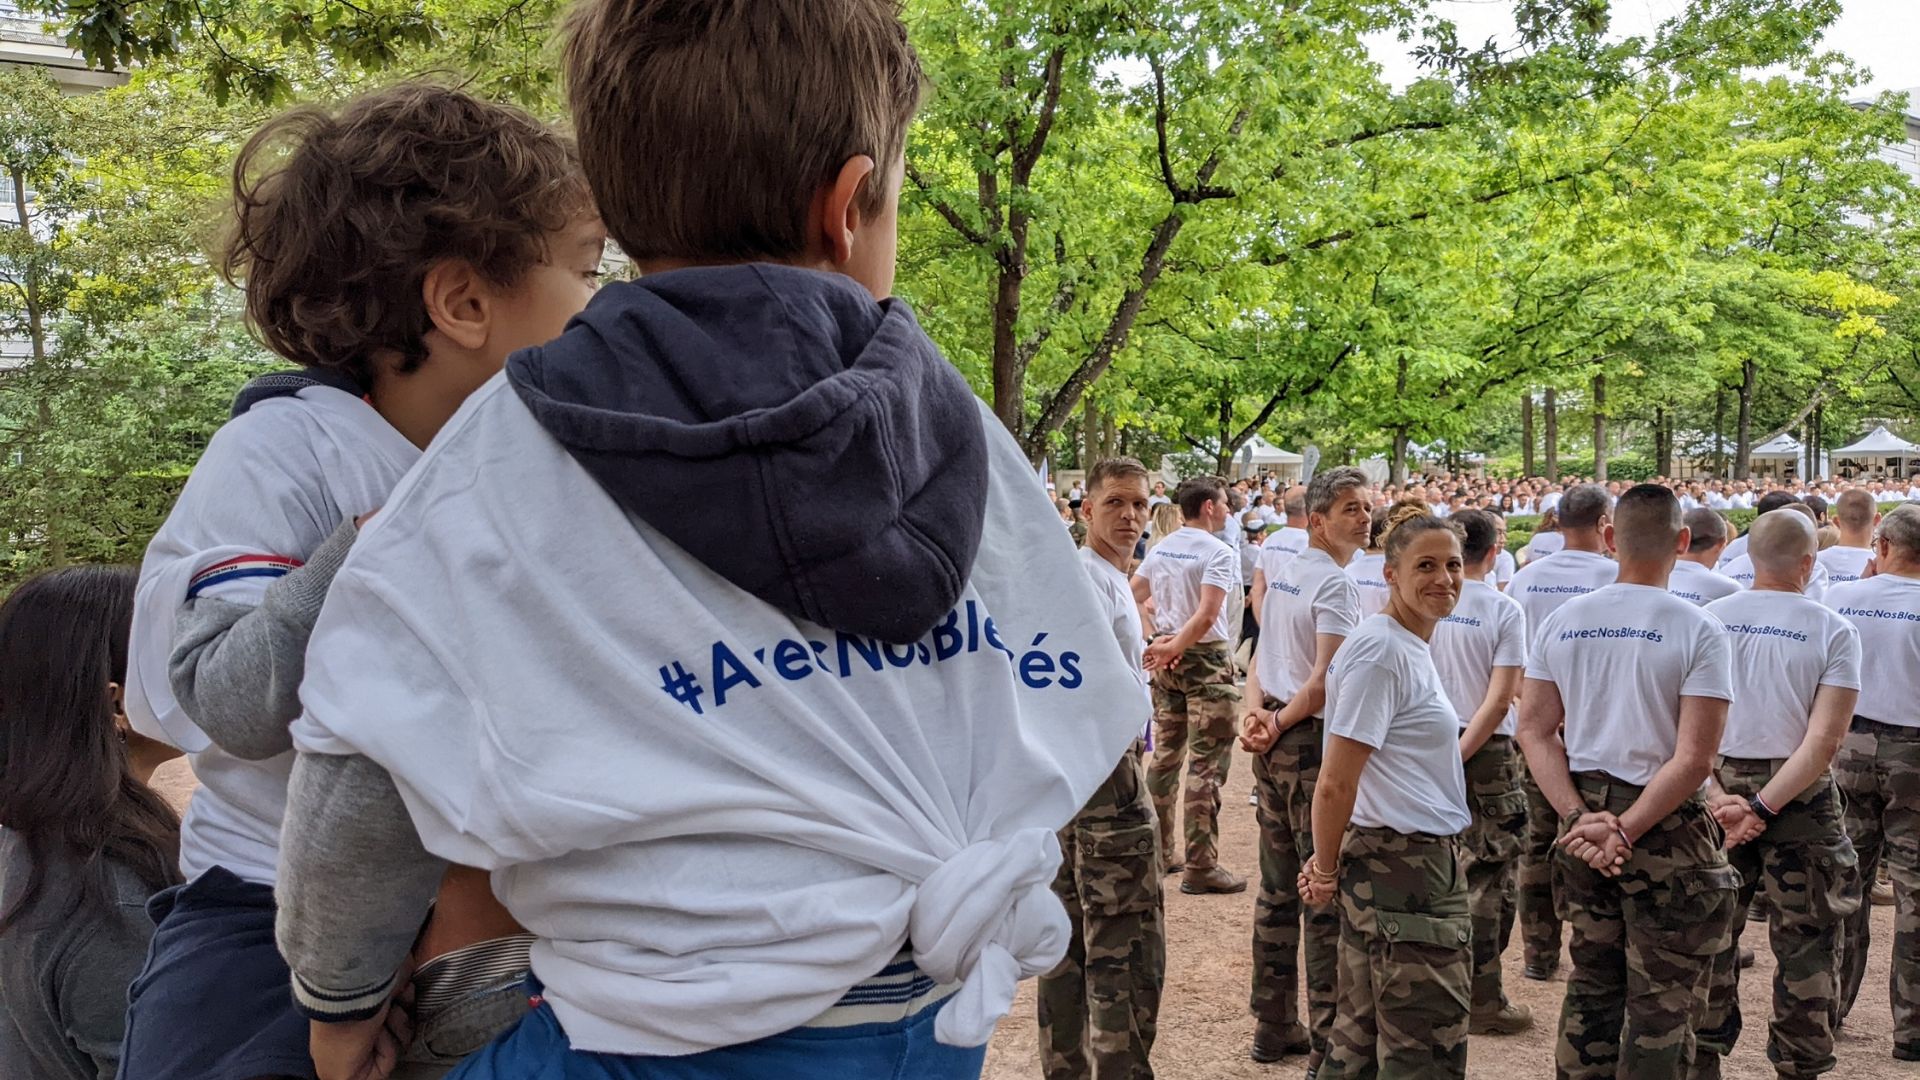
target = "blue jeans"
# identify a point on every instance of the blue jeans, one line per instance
(538, 1050)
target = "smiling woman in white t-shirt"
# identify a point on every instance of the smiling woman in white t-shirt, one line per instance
(1391, 802)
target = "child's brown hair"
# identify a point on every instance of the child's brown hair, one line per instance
(338, 217)
(707, 126)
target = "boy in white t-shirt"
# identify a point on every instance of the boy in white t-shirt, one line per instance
(1479, 650)
(1879, 763)
(1796, 667)
(378, 254)
(1098, 1010)
(1641, 680)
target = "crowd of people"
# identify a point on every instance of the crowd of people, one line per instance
(1613, 740)
(514, 760)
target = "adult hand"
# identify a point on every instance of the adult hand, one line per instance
(1736, 819)
(1258, 731)
(1595, 840)
(1161, 655)
(1315, 893)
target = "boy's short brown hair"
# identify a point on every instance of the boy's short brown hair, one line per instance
(707, 126)
(338, 217)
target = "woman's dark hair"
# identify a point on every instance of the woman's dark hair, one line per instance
(66, 790)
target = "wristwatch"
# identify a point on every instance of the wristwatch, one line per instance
(1761, 810)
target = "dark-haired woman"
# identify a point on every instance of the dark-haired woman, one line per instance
(85, 842)
(1387, 814)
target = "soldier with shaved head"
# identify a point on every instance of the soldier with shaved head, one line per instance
(1879, 766)
(1694, 578)
(1796, 666)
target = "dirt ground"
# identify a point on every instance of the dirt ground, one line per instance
(1205, 1029)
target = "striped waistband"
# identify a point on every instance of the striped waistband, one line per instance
(899, 991)
(449, 977)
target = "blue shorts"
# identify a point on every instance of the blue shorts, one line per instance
(905, 1049)
(215, 1000)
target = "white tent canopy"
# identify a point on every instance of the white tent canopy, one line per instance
(1879, 443)
(1779, 448)
(1265, 453)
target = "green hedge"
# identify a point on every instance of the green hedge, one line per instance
(1520, 528)
(102, 519)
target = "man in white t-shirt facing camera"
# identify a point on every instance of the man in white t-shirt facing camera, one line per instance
(1188, 577)
(1541, 587)
(1641, 680)
(1694, 578)
(1796, 673)
(1099, 1008)
(1879, 764)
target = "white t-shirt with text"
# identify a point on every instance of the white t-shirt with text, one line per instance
(1116, 599)
(1885, 609)
(1486, 630)
(1698, 585)
(1844, 563)
(1623, 657)
(1384, 692)
(1785, 647)
(1176, 570)
(1311, 595)
(1741, 571)
(1542, 587)
(1369, 572)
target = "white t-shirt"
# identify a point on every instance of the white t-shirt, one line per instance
(1311, 595)
(1844, 563)
(1913, 492)
(1623, 657)
(1542, 587)
(1157, 500)
(1269, 515)
(1735, 548)
(1176, 570)
(1550, 500)
(1116, 599)
(1698, 585)
(1486, 630)
(1286, 540)
(1741, 501)
(600, 740)
(1369, 572)
(1785, 647)
(1440, 509)
(1232, 532)
(274, 483)
(1717, 501)
(1541, 545)
(1383, 691)
(1503, 570)
(1522, 508)
(1886, 610)
(1741, 571)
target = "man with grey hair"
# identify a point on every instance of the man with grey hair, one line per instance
(1542, 587)
(1694, 579)
(1796, 673)
(1879, 766)
(1307, 609)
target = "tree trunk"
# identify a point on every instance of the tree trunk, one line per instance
(1109, 436)
(1526, 433)
(1599, 429)
(36, 324)
(1662, 443)
(1720, 432)
(1090, 428)
(1552, 433)
(1743, 441)
(1397, 465)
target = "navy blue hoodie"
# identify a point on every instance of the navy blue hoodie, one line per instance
(808, 444)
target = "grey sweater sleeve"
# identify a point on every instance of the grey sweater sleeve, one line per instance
(355, 885)
(236, 668)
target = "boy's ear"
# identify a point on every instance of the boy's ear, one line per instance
(458, 302)
(839, 207)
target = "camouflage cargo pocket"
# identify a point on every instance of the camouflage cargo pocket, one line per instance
(1691, 911)
(1119, 869)
(1833, 881)
(1426, 949)
(1499, 827)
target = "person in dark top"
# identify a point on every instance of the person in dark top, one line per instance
(83, 841)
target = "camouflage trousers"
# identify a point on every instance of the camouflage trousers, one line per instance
(1533, 878)
(1099, 1009)
(1406, 959)
(1284, 777)
(1643, 944)
(1488, 850)
(1805, 867)
(1195, 707)
(1879, 773)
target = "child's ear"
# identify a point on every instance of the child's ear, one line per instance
(838, 205)
(458, 302)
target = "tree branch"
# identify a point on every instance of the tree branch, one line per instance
(946, 210)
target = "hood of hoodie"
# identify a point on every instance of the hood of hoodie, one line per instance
(808, 444)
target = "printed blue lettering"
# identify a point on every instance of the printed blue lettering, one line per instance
(868, 650)
(993, 638)
(1036, 666)
(902, 658)
(728, 671)
(947, 638)
(1070, 677)
(790, 660)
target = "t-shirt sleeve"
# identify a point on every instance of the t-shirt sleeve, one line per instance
(1223, 569)
(1510, 642)
(1336, 606)
(1538, 656)
(1843, 659)
(1365, 693)
(1711, 673)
